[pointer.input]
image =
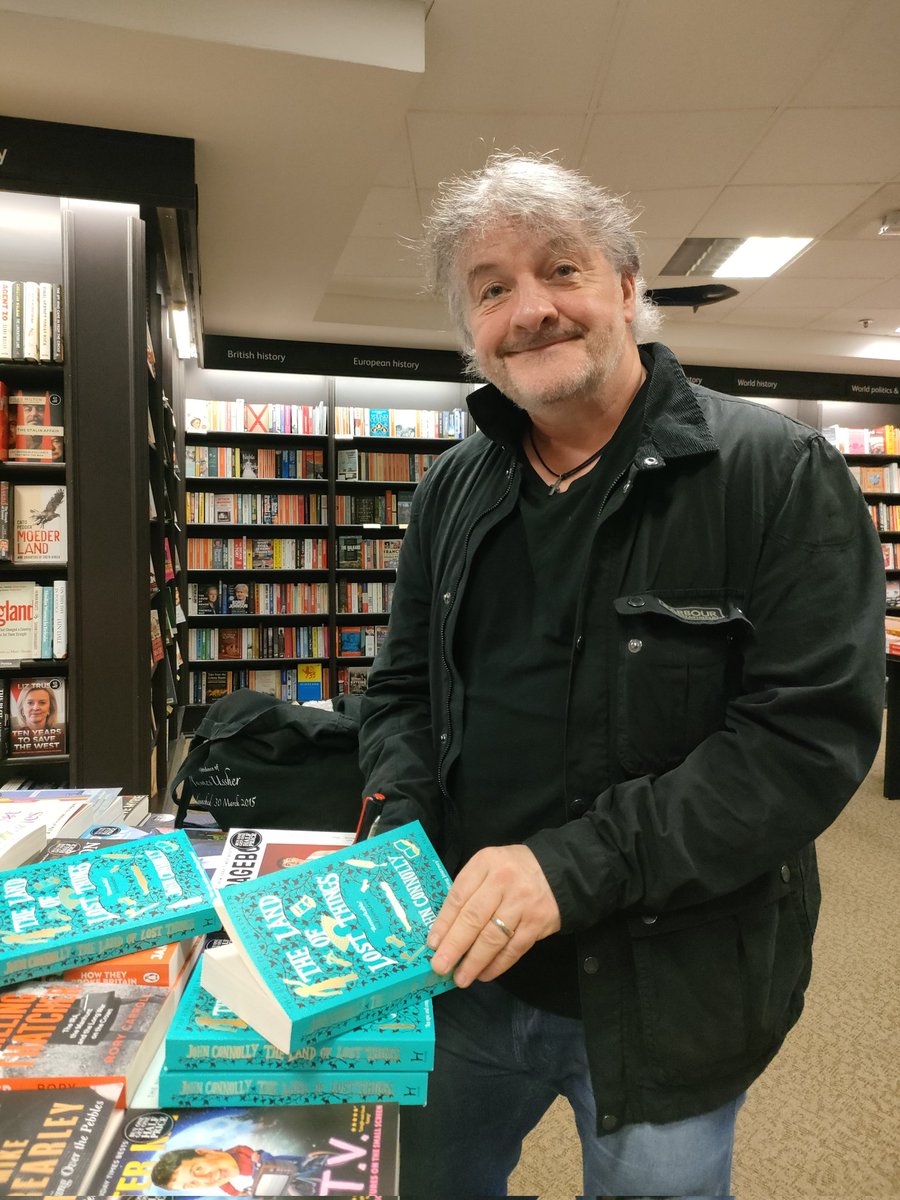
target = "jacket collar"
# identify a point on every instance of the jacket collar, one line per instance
(674, 424)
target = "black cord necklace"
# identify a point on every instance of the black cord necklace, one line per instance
(561, 476)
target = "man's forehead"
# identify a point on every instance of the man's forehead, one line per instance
(483, 249)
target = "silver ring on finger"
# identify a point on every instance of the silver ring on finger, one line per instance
(503, 927)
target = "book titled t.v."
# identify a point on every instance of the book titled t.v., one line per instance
(328, 945)
(101, 903)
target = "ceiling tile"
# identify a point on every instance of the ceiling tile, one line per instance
(710, 54)
(885, 295)
(805, 293)
(389, 212)
(835, 260)
(776, 318)
(446, 144)
(827, 145)
(637, 151)
(475, 51)
(789, 211)
(367, 256)
(668, 212)
(884, 322)
(862, 68)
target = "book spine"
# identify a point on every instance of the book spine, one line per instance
(29, 963)
(31, 321)
(60, 620)
(57, 325)
(45, 322)
(4, 521)
(37, 609)
(6, 318)
(212, 1089)
(47, 621)
(4, 717)
(18, 318)
(193, 1051)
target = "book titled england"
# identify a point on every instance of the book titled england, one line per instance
(101, 903)
(333, 943)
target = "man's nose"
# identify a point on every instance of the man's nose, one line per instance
(533, 304)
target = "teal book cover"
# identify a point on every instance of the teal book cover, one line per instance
(101, 903)
(218, 1088)
(379, 422)
(205, 1033)
(332, 939)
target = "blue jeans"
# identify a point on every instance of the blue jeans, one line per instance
(500, 1064)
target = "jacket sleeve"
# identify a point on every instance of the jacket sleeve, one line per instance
(795, 742)
(397, 753)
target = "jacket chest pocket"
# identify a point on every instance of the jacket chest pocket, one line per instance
(679, 663)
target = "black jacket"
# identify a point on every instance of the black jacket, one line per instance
(725, 701)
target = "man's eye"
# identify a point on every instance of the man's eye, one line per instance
(492, 291)
(565, 269)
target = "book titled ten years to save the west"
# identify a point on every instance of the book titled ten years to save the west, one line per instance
(325, 946)
(101, 903)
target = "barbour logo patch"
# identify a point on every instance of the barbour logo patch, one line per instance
(695, 613)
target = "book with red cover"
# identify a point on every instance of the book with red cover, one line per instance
(36, 431)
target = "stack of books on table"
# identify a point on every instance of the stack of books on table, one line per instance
(96, 956)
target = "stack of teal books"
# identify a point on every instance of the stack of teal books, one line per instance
(214, 1059)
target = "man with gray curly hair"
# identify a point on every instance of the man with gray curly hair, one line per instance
(603, 695)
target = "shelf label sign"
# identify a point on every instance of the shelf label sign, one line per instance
(326, 358)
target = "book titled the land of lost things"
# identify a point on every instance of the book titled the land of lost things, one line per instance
(101, 903)
(325, 946)
(348, 1150)
(213, 1058)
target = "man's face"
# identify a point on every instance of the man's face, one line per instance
(207, 1168)
(33, 414)
(549, 317)
(36, 707)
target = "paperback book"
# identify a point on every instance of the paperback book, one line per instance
(51, 1141)
(205, 1034)
(58, 818)
(37, 711)
(218, 1087)
(39, 523)
(320, 948)
(99, 904)
(59, 1033)
(249, 853)
(346, 1150)
(36, 431)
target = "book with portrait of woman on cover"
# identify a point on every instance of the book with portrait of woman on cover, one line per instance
(37, 706)
(336, 941)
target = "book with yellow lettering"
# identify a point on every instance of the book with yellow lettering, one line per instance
(101, 903)
(332, 943)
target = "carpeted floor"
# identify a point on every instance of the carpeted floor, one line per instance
(823, 1123)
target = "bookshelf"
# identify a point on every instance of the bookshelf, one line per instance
(103, 381)
(333, 489)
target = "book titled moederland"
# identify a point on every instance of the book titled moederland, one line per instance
(333, 943)
(101, 903)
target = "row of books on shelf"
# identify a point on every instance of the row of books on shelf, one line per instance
(884, 439)
(360, 640)
(303, 682)
(257, 554)
(246, 597)
(891, 554)
(371, 596)
(33, 716)
(233, 462)
(389, 508)
(883, 478)
(242, 416)
(33, 526)
(892, 634)
(383, 466)
(131, 1067)
(263, 641)
(886, 517)
(31, 321)
(352, 681)
(399, 422)
(31, 426)
(256, 508)
(33, 620)
(358, 553)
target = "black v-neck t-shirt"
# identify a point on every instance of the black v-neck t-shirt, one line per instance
(514, 647)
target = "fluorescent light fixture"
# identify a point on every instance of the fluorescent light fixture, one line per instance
(181, 331)
(760, 257)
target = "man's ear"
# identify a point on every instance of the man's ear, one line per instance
(629, 296)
